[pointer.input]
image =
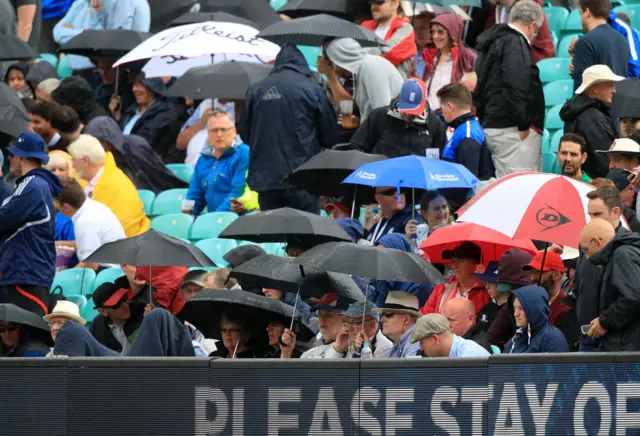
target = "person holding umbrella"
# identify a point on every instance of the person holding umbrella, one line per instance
(236, 337)
(435, 213)
(19, 340)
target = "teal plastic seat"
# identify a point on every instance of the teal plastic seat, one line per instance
(108, 275)
(554, 69)
(176, 225)
(546, 140)
(182, 171)
(169, 201)
(556, 17)
(49, 57)
(557, 92)
(64, 70)
(555, 141)
(554, 39)
(215, 248)
(89, 312)
(74, 281)
(210, 225)
(80, 300)
(632, 11)
(550, 162)
(572, 23)
(495, 349)
(563, 46)
(553, 122)
(147, 197)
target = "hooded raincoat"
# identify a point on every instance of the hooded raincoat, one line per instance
(76, 92)
(539, 336)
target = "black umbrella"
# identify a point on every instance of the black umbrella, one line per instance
(323, 173)
(14, 118)
(13, 313)
(376, 263)
(13, 48)
(151, 248)
(227, 80)
(277, 272)
(258, 11)
(106, 43)
(314, 30)
(203, 17)
(164, 12)
(205, 310)
(285, 225)
(306, 8)
(626, 100)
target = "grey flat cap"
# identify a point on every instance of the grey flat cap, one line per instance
(431, 324)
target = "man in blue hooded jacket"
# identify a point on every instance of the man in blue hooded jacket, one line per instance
(534, 334)
(27, 228)
(286, 119)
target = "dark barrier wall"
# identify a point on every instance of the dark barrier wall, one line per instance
(576, 394)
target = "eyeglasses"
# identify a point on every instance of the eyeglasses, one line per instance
(387, 193)
(388, 315)
(222, 130)
(59, 322)
(230, 330)
(9, 327)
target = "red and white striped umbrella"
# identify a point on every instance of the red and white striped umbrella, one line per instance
(539, 206)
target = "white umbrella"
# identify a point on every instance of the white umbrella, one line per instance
(201, 39)
(176, 66)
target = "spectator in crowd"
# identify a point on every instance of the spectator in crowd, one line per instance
(437, 339)
(620, 180)
(40, 117)
(62, 313)
(61, 164)
(422, 30)
(619, 256)
(600, 45)
(239, 255)
(338, 207)
(623, 154)
(450, 59)
(275, 329)
(435, 213)
(355, 333)
(27, 228)
(399, 316)
(490, 311)
(534, 334)
(606, 203)
(16, 77)
(572, 154)
(237, 343)
(403, 127)
(192, 283)
(463, 283)
(511, 108)
(395, 213)
(377, 81)
(108, 184)
(5, 189)
(151, 117)
(29, 15)
(330, 318)
(219, 279)
(77, 93)
(19, 340)
(621, 23)
(587, 114)
(134, 156)
(629, 125)
(286, 119)
(221, 171)
(467, 145)
(461, 314)
(119, 319)
(398, 33)
(104, 92)
(45, 89)
(93, 223)
(193, 134)
(290, 298)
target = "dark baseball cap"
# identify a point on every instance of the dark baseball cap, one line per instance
(620, 178)
(510, 272)
(107, 295)
(466, 250)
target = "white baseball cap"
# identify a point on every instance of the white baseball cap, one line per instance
(597, 74)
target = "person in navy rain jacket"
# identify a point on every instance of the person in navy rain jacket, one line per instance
(534, 334)
(221, 170)
(27, 228)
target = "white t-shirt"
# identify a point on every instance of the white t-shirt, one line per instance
(381, 31)
(95, 225)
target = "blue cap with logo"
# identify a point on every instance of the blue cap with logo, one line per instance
(490, 275)
(413, 97)
(30, 146)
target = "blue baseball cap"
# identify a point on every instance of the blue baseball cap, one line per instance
(490, 275)
(413, 97)
(30, 146)
(357, 309)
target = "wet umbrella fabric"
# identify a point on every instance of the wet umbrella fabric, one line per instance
(15, 314)
(201, 17)
(165, 11)
(626, 100)
(14, 118)
(258, 11)
(109, 43)
(306, 8)
(13, 48)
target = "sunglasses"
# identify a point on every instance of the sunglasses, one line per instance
(117, 305)
(9, 328)
(387, 193)
(388, 315)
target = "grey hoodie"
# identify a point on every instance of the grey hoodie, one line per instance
(376, 80)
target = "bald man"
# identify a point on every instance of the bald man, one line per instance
(461, 314)
(595, 235)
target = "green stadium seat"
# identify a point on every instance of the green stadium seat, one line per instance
(557, 92)
(553, 122)
(108, 275)
(632, 11)
(554, 69)
(89, 312)
(147, 197)
(176, 225)
(563, 46)
(210, 225)
(182, 171)
(169, 201)
(49, 57)
(554, 38)
(74, 281)
(80, 300)
(572, 23)
(546, 140)
(64, 70)
(215, 248)
(556, 17)
(555, 140)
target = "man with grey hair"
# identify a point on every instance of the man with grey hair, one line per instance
(45, 88)
(508, 95)
(437, 340)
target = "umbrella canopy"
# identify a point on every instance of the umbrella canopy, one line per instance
(201, 17)
(537, 206)
(626, 100)
(323, 173)
(413, 9)
(277, 272)
(376, 263)
(493, 243)
(312, 31)
(13, 313)
(285, 225)
(165, 11)
(107, 43)
(227, 80)
(14, 118)
(199, 39)
(151, 248)
(306, 8)
(452, 2)
(13, 48)
(258, 11)
(177, 66)
(206, 309)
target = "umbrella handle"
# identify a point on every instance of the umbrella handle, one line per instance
(544, 257)
(295, 305)
(366, 297)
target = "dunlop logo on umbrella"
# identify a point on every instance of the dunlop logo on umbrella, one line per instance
(550, 218)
